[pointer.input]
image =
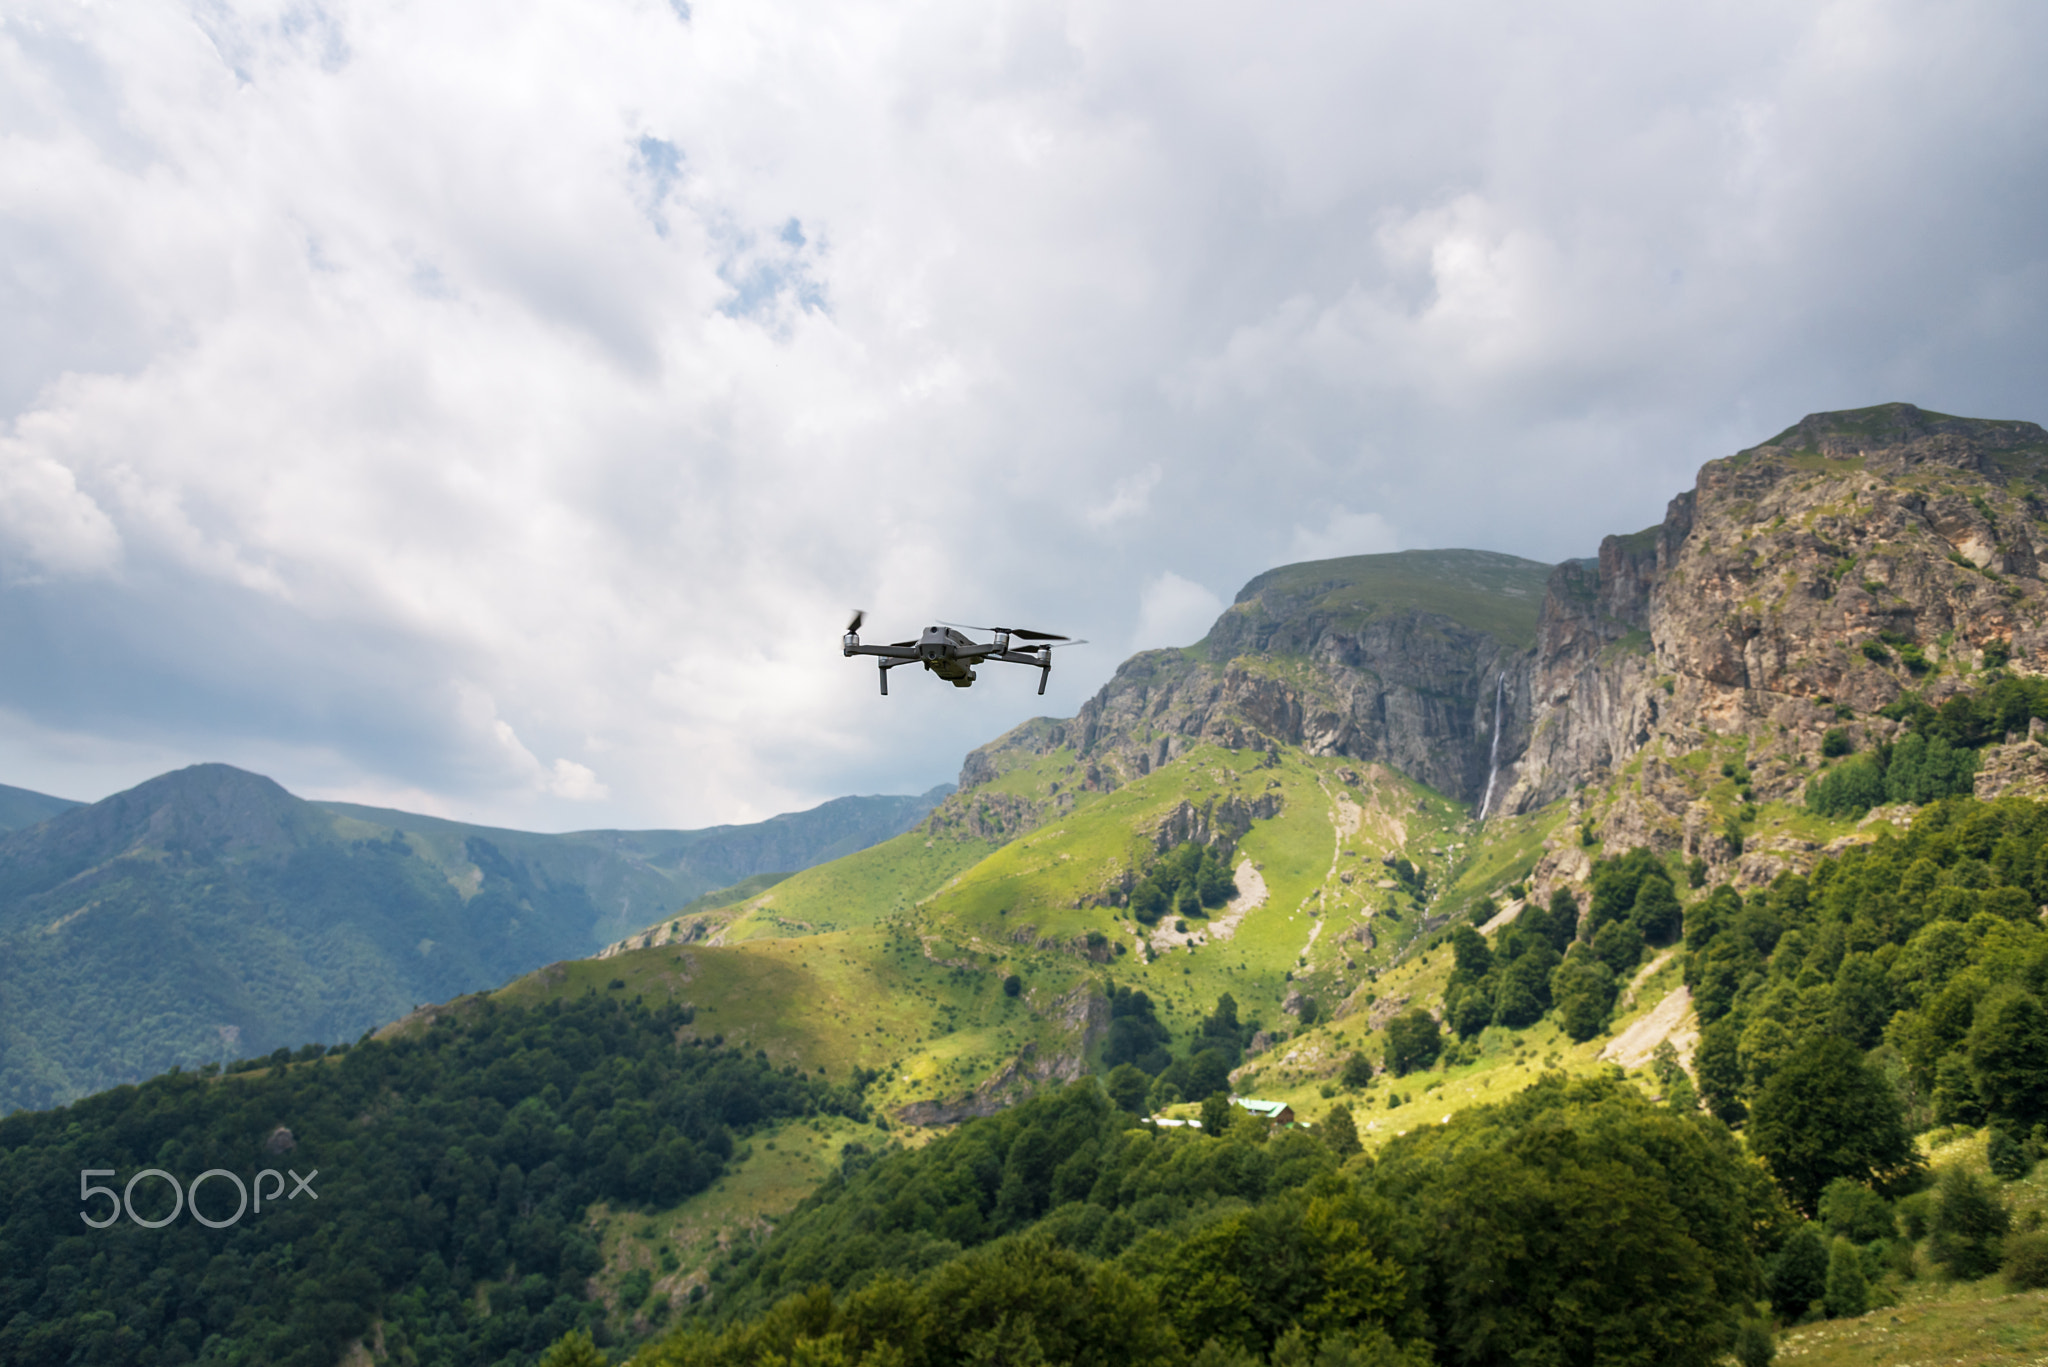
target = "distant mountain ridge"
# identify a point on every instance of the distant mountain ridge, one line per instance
(133, 929)
(20, 807)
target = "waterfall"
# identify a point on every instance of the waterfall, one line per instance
(1500, 683)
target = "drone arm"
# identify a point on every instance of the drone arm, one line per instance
(852, 646)
(883, 669)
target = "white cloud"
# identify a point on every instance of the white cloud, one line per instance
(1131, 497)
(1173, 611)
(603, 360)
(1344, 533)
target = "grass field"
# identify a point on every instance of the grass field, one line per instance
(776, 1169)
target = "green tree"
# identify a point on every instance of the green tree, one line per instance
(2007, 1051)
(1127, 1086)
(1853, 1211)
(1470, 956)
(1340, 1131)
(1824, 1114)
(1968, 1226)
(1216, 1115)
(1754, 1346)
(1622, 1229)
(574, 1349)
(2006, 1154)
(1799, 1273)
(1583, 989)
(1413, 1042)
(1357, 1072)
(1619, 945)
(1657, 915)
(1524, 991)
(1848, 1286)
(1564, 919)
(1214, 881)
(1851, 788)
(2026, 1261)
(1718, 1062)
(1467, 1008)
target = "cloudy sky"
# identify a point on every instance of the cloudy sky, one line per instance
(496, 409)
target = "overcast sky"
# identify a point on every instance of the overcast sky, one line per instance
(496, 409)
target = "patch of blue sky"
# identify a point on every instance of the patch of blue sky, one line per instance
(760, 281)
(659, 165)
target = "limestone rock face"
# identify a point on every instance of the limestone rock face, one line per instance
(1404, 659)
(1800, 585)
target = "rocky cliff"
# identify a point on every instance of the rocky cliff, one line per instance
(1404, 658)
(1800, 585)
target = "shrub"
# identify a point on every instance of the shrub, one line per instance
(2007, 1155)
(1874, 651)
(1848, 1288)
(1012, 985)
(1836, 743)
(1413, 1042)
(1853, 1211)
(2026, 1261)
(1969, 1223)
(1798, 1276)
(1754, 1346)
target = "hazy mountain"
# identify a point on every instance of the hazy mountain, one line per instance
(19, 807)
(134, 929)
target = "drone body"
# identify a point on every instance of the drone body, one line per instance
(944, 651)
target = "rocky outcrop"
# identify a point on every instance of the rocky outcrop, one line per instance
(1083, 1012)
(1396, 658)
(1800, 585)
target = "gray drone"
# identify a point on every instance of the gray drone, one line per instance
(951, 656)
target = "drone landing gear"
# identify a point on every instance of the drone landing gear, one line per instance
(1044, 673)
(883, 669)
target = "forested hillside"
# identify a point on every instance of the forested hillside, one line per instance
(1578, 1223)
(455, 1169)
(20, 807)
(209, 914)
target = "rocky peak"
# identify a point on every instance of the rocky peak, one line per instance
(1395, 658)
(1802, 583)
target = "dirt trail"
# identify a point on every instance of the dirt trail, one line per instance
(1670, 1019)
(1502, 917)
(1251, 895)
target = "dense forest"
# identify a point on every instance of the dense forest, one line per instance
(1578, 1223)
(454, 1169)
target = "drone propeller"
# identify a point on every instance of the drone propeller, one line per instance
(1055, 644)
(1021, 633)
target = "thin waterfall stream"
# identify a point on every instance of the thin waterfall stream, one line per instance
(1500, 683)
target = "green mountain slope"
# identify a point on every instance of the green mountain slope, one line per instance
(20, 807)
(209, 914)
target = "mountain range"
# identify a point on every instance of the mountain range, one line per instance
(1404, 839)
(210, 914)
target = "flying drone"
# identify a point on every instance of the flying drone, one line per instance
(952, 656)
